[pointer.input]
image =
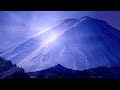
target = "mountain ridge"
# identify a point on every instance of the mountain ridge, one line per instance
(60, 72)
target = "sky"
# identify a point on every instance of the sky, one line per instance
(16, 26)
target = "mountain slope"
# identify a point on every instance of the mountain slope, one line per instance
(75, 44)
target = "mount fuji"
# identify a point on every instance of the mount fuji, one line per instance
(76, 44)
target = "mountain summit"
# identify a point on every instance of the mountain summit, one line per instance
(77, 44)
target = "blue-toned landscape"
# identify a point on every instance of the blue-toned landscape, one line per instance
(60, 45)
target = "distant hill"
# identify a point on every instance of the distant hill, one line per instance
(10, 71)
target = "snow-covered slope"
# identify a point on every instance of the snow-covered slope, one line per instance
(76, 44)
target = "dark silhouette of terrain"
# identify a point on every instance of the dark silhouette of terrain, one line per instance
(60, 72)
(10, 71)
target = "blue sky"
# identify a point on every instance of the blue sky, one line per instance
(16, 26)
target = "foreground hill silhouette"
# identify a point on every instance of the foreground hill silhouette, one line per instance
(60, 72)
(10, 71)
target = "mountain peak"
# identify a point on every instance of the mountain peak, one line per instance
(82, 18)
(58, 66)
(87, 17)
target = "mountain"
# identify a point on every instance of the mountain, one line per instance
(10, 71)
(76, 44)
(58, 72)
